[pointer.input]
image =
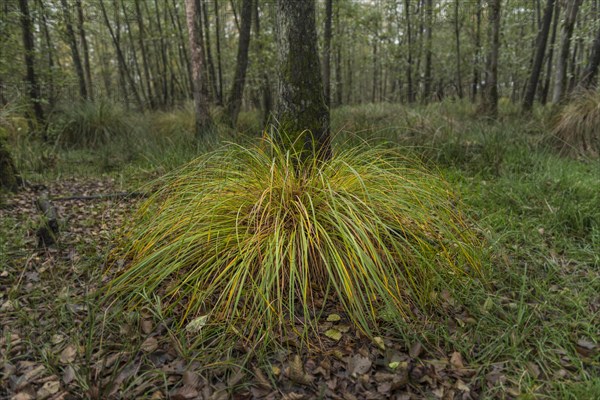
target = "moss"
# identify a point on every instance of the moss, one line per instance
(8, 174)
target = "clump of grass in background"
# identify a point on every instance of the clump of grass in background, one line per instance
(577, 128)
(89, 124)
(244, 240)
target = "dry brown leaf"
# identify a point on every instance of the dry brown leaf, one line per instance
(296, 372)
(456, 360)
(68, 375)
(415, 350)
(358, 365)
(190, 378)
(68, 354)
(149, 345)
(147, 326)
(185, 393)
(48, 389)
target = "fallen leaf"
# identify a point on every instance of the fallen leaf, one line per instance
(149, 345)
(533, 369)
(333, 334)
(415, 350)
(456, 360)
(184, 393)
(48, 389)
(197, 324)
(68, 354)
(358, 365)
(146, 326)
(296, 372)
(68, 375)
(379, 342)
(190, 378)
(585, 347)
(333, 318)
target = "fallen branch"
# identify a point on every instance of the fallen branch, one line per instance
(102, 196)
(47, 232)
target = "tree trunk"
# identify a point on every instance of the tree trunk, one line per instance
(237, 91)
(142, 42)
(338, 60)
(588, 78)
(458, 60)
(204, 124)
(28, 44)
(301, 108)
(8, 174)
(476, 60)
(218, 43)
(49, 50)
(74, 50)
(428, 79)
(327, 52)
(560, 80)
(84, 47)
(555, 23)
(267, 98)
(490, 101)
(538, 61)
(209, 59)
(409, 54)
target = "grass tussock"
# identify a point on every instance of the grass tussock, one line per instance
(90, 124)
(577, 128)
(244, 240)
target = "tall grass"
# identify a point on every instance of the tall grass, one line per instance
(577, 128)
(243, 239)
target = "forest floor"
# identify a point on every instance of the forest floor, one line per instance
(534, 334)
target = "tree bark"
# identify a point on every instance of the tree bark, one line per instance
(209, 59)
(458, 60)
(301, 108)
(538, 61)
(84, 47)
(560, 80)
(74, 50)
(8, 173)
(590, 73)
(490, 101)
(28, 44)
(218, 43)
(428, 79)
(409, 54)
(476, 58)
(204, 124)
(237, 91)
(548, 77)
(327, 52)
(143, 50)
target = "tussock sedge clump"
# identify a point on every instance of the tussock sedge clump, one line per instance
(245, 239)
(577, 128)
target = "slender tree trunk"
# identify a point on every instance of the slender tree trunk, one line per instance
(536, 69)
(458, 60)
(136, 65)
(120, 56)
(428, 79)
(267, 98)
(550, 58)
(49, 50)
(209, 59)
(142, 43)
(560, 80)
(300, 106)
(409, 54)
(490, 103)
(237, 91)
(74, 50)
(85, 49)
(338, 60)
(28, 45)
(327, 52)
(204, 124)
(163, 57)
(590, 73)
(218, 43)
(476, 58)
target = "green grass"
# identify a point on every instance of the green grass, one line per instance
(538, 211)
(244, 240)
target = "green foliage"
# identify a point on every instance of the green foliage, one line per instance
(242, 237)
(88, 124)
(577, 128)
